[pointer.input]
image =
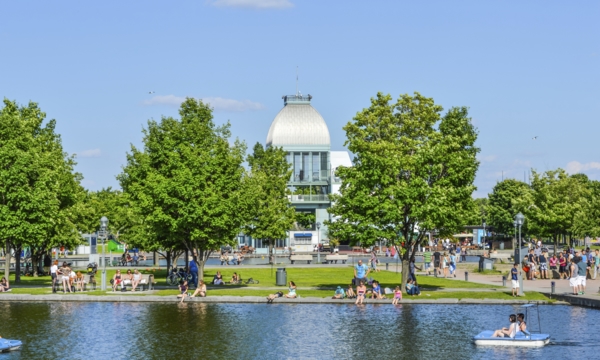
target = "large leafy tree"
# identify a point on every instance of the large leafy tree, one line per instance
(113, 204)
(38, 187)
(508, 198)
(587, 220)
(271, 214)
(186, 183)
(557, 199)
(413, 172)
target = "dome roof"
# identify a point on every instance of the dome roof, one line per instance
(298, 123)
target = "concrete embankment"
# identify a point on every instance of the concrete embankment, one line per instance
(247, 300)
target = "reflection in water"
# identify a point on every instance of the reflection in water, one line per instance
(278, 331)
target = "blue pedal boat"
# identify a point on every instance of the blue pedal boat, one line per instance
(9, 345)
(521, 339)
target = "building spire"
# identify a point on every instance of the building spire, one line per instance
(296, 80)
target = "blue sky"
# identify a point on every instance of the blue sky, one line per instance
(524, 68)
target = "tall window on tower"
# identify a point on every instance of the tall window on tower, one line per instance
(316, 166)
(305, 167)
(297, 166)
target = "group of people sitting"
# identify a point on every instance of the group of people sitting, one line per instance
(517, 325)
(184, 287)
(123, 280)
(290, 295)
(235, 260)
(362, 292)
(71, 280)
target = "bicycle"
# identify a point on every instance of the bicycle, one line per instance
(177, 276)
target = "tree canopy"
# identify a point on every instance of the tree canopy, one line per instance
(413, 172)
(187, 182)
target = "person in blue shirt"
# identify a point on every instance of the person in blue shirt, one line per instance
(514, 272)
(360, 272)
(193, 268)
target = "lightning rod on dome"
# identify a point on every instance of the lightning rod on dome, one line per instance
(296, 80)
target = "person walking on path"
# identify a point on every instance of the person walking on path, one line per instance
(374, 262)
(514, 273)
(436, 263)
(596, 264)
(427, 260)
(360, 272)
(458, 252)
(562, 266)
(453, 259)
(54, 274)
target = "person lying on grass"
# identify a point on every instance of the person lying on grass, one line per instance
(272, 297)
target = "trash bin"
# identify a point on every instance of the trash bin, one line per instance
(520, 254)
(485, 263)
(501, 245)
(281, 277)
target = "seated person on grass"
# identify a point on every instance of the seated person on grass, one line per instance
(411, 288)
(183, 288)
(218, 279)
(376, 291)
(200, 290)
(235, 279)
(339, 293)
(350, 292)
(4, 286)
(292, 291)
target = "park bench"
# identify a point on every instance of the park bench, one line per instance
(307, 258)
(88, 279)
(146, 283)
(331, 258)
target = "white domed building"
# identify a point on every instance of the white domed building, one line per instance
(301, 131)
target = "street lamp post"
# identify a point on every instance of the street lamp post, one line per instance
(318, 242)
(519, 220)
(485, 236)
(103, 227)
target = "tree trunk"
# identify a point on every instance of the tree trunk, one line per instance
(7, 261)
(271, 256)
(555, 238)
(18, 264)
(404, 275)
(35, 262)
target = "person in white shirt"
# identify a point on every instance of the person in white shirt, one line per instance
(53, 274)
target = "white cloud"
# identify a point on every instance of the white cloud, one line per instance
(89, 153)
(486, 159)
(221, 104)
(253, 4)
(217, 103)
(171, 100)
(575, 167)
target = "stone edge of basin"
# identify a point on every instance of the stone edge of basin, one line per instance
(251, 300)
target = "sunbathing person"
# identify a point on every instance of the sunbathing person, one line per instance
(511, 331)
(218, 279)
(272, 297)
(137, 278)
(200, 290)
(361, 290)
(235, 279)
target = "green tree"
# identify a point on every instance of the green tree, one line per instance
(508, 198)
(476, 211)
(38, 187)
(413, 172)
(187, 181)
(557, 199)
(271, 214)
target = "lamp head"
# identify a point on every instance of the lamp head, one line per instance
(104, 222)
(318, 225)
(520, 218)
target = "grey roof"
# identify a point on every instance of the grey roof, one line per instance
(298, 124)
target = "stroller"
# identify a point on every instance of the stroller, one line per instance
(92, 268)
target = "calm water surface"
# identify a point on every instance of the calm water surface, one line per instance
(278, 331)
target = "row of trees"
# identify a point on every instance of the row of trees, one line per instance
(556, 205)
(186, 189)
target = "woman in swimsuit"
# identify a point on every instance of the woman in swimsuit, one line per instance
(397, 296)
(183, 288)
(65, 273)
(200, 290)
(291, 291)
(361, 290)
(4, 285)
(137, 278)
(116, 280)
